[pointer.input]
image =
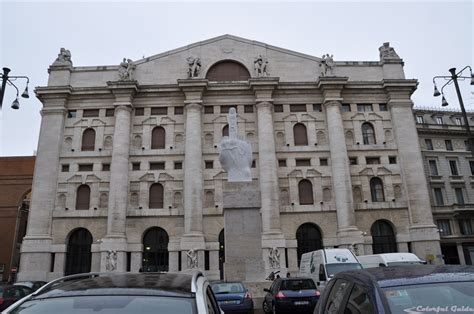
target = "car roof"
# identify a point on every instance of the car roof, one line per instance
(149, 284)
(409, 275)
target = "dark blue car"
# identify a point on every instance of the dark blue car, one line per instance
(400, 290)
(233, 297)
(291, 295)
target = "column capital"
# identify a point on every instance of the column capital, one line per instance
(190, 105)
(263, 88)
(332, 102)
(193, 89)
(124, 91)
(53, 93)
(264, 104)
(400, 91)
(126, 106)
(332, 87)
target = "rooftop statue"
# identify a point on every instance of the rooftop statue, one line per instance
(194, 67)
(327, 65)
(387, 52)
(64, 57)
(236, 154)
(126, 70)
(261, 66)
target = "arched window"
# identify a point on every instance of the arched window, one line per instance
(368, 133)
(156, 196)
(78, 256)
(155, 250)
(376, 189)
(305, 192)
(383, 238)
(83, 197)
(158, 136)
(299, 134)
(225, 130)
(88, 140)
(308, 238)
(221, 253)
(228, 71)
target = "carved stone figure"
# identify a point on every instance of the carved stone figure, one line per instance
(261, 66)
(194, 66)
(64, 57)
(274, 257)
(192, 259)
(387, 52)
(327, 65)
(126, 70)
(236, 154)
(111, 260)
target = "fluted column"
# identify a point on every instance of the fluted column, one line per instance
(267, 165)
(193, 180)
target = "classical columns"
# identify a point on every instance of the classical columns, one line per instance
(193, 180)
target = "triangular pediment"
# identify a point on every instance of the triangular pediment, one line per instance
(380, 171)
(311, 173)
(367, 172)
(295, 174)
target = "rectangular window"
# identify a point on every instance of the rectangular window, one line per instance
(157, 165)
(206, 260)
(254, 164)
(420, 119)
(53, 259)
(449, 145)
(433, 168)
(383, 107)
(178, 110)
(323, 161)
(364, 108)
(178, 165)
(208, 109)
(179, 260)
(298, 108)
(372, 160)
(71, 113)
(439, 120)
(209, 164)
(278, 108)
(392, 160)
(467, 146)
(458, 121)
(65, 168)
(465, 226)
(281, 162)
(109, 112)
(471, 165)
(105, 167)
(87, 113)
(303, 162)
(135, 166)
(353, 160)
(159, 111)
(85, 167)
(459, 196)
(225, 109)
(317, 107)
(248, 109)
(454, 167)
(129, 261)
(346, 107)
(444, 227)
(429, 144)
(139, 112)
(439, 196)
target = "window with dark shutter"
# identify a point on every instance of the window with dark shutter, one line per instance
(159, 111)
(88, 140)
(88, 113)
(305, 191)
(225, 130)
(299, 134)
(228, 71)
(308, 239)
(156, 196)
(376, 189)
(368, 133)
(83, 197)
(158, 138)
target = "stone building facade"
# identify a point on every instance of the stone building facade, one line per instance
(16, 179)
(128, 178)
(449, 169)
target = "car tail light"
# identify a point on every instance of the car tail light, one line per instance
(1, 300)
(317, 293)
(247, 295)
(280, 295)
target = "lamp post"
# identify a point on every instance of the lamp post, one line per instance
(454, 78)
(9, 79)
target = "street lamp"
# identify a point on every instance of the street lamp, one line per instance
(454, 78)
(9, 79)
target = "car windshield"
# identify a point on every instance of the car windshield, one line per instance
(404, 263)
(228, 287)
(449, 297)
(109, 305)
(297, 284)
(333, 269)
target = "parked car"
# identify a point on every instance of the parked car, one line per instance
(233, 297)
(292, 295)
(35, 285)
(11, 294)
(400, 290)
(389, 259)
(164, 293)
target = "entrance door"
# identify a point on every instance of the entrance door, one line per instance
(221, 254)
(78, 257)
(450, 254)
(155, 250)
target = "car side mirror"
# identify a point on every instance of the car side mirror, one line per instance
(381, 265)
(266, 290)
(318, 283)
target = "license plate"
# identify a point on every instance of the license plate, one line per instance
(301, 302)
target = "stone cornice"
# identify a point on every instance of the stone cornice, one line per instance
(193, 89)
(401, 87)
(124, 91)
(263, 88)
(331, 87)
(53, 92)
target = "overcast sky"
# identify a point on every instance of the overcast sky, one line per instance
(430, 36)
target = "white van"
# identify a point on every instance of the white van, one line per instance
(389, 259)
(322, 265)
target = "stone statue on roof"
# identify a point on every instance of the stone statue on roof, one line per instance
(260, 65)
(194, 66)
(387, 52)
(64, 58)
(126, 70)
(327, 65)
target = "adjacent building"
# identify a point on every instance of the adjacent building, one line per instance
(127, 175)
(449, 169)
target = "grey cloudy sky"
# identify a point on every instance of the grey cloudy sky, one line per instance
(431, 37)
